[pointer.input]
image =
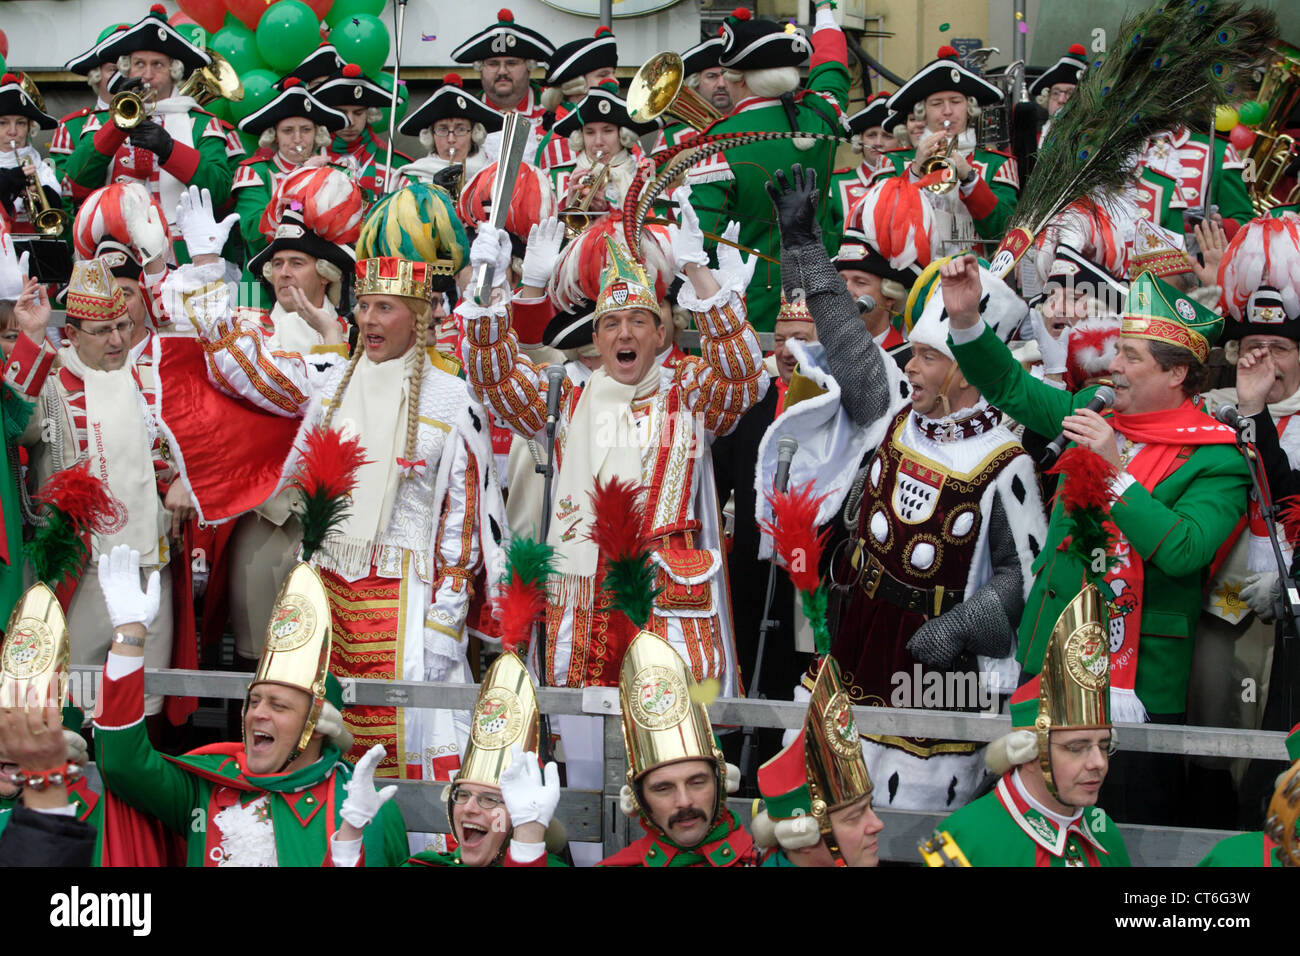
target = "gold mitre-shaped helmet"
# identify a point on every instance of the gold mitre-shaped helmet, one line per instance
(34, 659)
(1072, 692)
(505, 714)
(624, 283)
(297, 648)
(837, 771)
(821, 770)
(662, 724)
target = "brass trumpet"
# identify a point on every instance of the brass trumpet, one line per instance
(942, 161)
(129, 109)
(45, 219)
(577, 217)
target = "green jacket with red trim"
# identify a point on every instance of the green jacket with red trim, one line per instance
(1244, 849)
(728, 844)
(186, 793)
(993, 199)
(1176, 528)
(1002, 829)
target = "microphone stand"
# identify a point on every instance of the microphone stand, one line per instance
(1287, 607)
(539, 643)
(399, 22)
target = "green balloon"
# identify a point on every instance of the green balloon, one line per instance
(386, 81)
(238, 45)
(363, 40)
(221, 109)
(287, 33)
(1252, 112)
(3, 66)
(343, 9)
(259, 89)
(195, 34)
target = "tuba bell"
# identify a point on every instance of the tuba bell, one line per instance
(1272, 151)
(659, 87)
(217, 80)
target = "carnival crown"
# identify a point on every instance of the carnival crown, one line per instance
(624, 284)
(392, 276)
(417, 222)
(93, 293)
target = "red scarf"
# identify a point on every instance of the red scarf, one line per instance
(1166, 437)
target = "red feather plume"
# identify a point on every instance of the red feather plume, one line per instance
(1288, 513)
(618, 524)
(83, 499)
(1085, 479)
(326, 475)
(520, 604)
(794, 534)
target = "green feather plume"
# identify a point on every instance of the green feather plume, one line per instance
(1172, 65)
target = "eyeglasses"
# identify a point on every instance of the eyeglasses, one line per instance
(122, 328)
(1276, 349)
(460, 796)
(1081, 748)
(442, 132)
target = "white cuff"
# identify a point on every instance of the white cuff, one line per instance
(119, 665)
(1119, 484)
(963, 336)
(526, 852)
(729, 283)
(67, 810)
(825, 19)
(345, 852)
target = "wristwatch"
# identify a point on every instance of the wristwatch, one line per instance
(119, 638)
(969, 177)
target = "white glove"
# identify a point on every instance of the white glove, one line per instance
(544, 241)
(1260, 593)
(529, 798)
(143, 226)
(119, 580)
(1053, 349)
(363, 800)
(198, 224)
(730, 261)
(491, 246)
(685, 236)
(13, 269)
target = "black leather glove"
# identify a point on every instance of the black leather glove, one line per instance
(12, 183)
(795, 200)
(448, 178)
(133, 84)
(149, 135)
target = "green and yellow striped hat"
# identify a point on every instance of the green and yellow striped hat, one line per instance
(417, 223)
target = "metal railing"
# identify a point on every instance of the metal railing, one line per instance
(594, 815)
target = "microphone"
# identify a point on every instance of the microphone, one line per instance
(1104, 398)
(865, 303)
(1230, 416)
(785, 449)
(554, 379)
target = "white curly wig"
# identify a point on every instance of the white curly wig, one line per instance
(571, 90)
(768, 83)
(972, 110)
(476, 136)
(323, 138)
(124, 67)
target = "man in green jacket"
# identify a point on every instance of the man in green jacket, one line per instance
(281, 797)
(1043, 811)
(760, 59)
(1256, 848)
(175, 145)
(1180, 490)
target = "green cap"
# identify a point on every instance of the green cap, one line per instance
(1157, 311)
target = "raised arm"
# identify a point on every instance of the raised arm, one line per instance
(806, 270)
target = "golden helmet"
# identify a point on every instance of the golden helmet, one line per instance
(34, 659)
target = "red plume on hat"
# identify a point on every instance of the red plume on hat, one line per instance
(947, 52)
(326, 476)
(582, 262)
(101, 217)
(1264, 252)
(330, 202)
(522, 597)
(799, 547)
(453, 79)
(505, 16)
(351, 71)
(530, 203)
(898, 221)
(76, 504)
(1076, 49)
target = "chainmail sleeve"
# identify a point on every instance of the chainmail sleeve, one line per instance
(854, 359)
(985, 623)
